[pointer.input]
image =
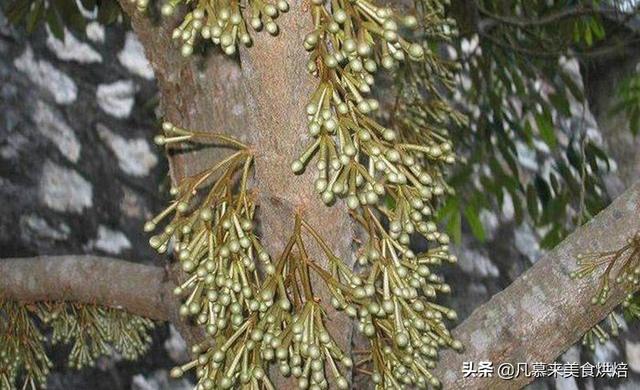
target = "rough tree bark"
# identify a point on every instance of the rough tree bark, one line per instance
(535, 319)
(278, 87)
(139, 289)
(544, 311)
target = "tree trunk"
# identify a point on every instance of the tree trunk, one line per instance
(278, 88)
(261, 102)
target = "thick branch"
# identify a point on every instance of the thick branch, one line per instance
(136, 288)
(544, 311)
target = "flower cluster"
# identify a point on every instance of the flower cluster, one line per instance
(92, 330)
(21, 348)
(421, 113)
(621, 266)
(391, 179)
(221, 21)
(255, 311)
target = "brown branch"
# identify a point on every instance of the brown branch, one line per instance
(136, 288)
(617, 47)
(543, 312)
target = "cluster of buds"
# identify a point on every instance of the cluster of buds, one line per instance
(392, 300)
(253, 318)
(222, 21)
(91, 330)
(602, 332)
(357, 157)
(197, 218)
(298, 343)
(421, 114)
(391, 179)
(621, 266)
(95, 331)
(21, 349)
(307, 350)
(212, 233)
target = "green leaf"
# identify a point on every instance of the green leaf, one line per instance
(35, 15)
(542, 188)
(554, 210)
(71, 15)
(108, 11)
(575, 89)
(560, 102)
(532, 202)
(634, 122)
(528, 133)
(472, 217)
(552, 238)
(593, 148)
(490, 186)
(576, 32)
(569, 179)
(597, 28)
(545, 127)
(462, 174)
(449, 206)
(454, 227)
(588, 36)
(591, 157)
(517, 207)
(575, 157)
(54, 23)
(17, 10)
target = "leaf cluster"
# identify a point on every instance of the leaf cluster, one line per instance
(60, 14)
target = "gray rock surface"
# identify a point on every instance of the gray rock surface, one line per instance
(79, 172)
